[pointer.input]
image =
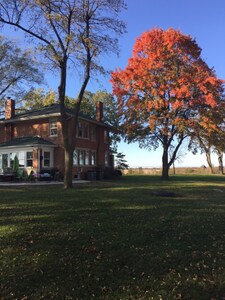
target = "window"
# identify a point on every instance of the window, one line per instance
(4, 161)
(25, 159)
(93, 133)
(46, 159)
(81, 157)
(106, 158)
(12, 156)
(83, 130)
(53, 128)
(75, 157)
(21, 159)
(29, 159)
(93, 158)
(86, 158)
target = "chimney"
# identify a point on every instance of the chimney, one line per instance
(99, 111)
(9, 108)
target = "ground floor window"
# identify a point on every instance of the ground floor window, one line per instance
(25, 159)
(75, 157)
(47, 157)
(83, 157)
(30, 159)
(21, 157)
(4, 161)
(93, 158)
(12, 157)
(106, 158)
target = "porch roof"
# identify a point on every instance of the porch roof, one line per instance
(27, 141)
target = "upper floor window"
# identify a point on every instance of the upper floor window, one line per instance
(82, 130)
(93, 133)
(53, 128)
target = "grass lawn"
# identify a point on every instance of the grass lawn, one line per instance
(122, 239)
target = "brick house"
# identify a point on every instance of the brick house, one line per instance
(35, 137)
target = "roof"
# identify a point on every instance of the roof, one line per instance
(27, 141)
(46, 111)
(49, 112)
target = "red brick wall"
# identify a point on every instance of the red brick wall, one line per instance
(8, 133)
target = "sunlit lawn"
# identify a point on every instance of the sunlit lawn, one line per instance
(122, 239)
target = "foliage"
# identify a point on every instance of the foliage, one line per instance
(68, 33)
(18, 69)
(37, 98)
(121, 162)
(114, 240)
(210, 138)
(165, 90)
(110, 116)
(88, 105)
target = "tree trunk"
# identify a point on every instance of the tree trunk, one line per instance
(209, 161)
(67, 134)
(220, 160)
(165, 164)
(174, 169)
(68, 178)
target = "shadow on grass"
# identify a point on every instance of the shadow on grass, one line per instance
(113, 240)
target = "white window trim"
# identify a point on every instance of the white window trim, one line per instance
(24, 151)
(52, 128)
(88, 130)
(17, 151)
(51, 157)
(78, 150)
(26, 159)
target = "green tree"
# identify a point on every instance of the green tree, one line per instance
(65, 31)
(18, 70)
(110, 116)
(37, 98)
(121, 162)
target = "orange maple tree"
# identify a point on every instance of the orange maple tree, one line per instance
(164, 91)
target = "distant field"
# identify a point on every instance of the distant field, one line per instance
(133, 238)
(156, 171)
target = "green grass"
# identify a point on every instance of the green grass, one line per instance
(114, 240)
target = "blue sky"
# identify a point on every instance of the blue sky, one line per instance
(203, 20)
